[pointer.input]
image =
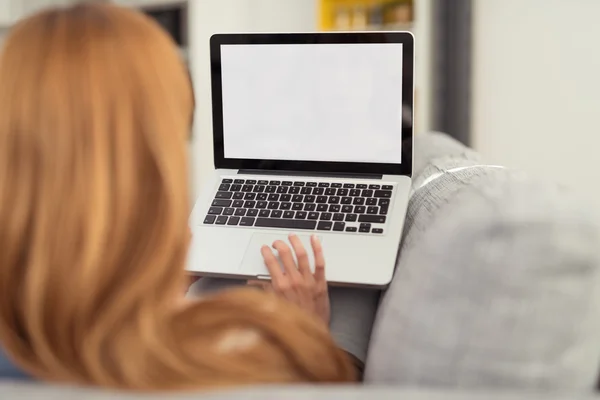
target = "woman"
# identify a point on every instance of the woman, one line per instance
(95, 111)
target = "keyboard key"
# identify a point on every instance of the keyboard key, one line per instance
(273, 197)
(371, 201)
(270, 189)
(334, 200)
(239, 181)
(351, 217)
(261, 204)
(250, 196)
(223, 195)
(240, 212)
(375, 219)
(276, 214)
(347, 209)
(330, 192)
(321, 199)
(247, 188)
(285, 206)
(286, 183)
(338, 217)
(264, 213)
(342, 192)
(346, 200)
(306, 190)
(285, 197)
(252, 213)
(275, 183)
(322, 207)
(358, 201)
(238, 203)
(238, 195)
(336, 185)
(297, 198)
(387, 187)
(294, 190)
(383, 210)
(236, 188)
(288, 214)
(360, 209)
(325, 225)
(262, 196)
(377, 230)
(339, 226)
(297, 206)
(263, 182)
(273, 205)
(258, 189)
(310, 207)
(309, 199)
(251, 182)
(351, 229)
(355, 192)
(326, 216)
(250, 204)
(367, 193)
(301, 215)
(348, 185)
(215, 210)
(210, 219)
(282, 189)
(373, 210)
(313, 215)
(311, 184)
(285, 223)
(384, 202)
(247, 221)
(386, 194)
(228, 211)
(298, 183)
(323, 184)
(222, 220)
(334, 208)
(364, 228)
(318, 191)
(374, 186)
(233, 221)
(221, 203)
(361, 186)
(227, 181)
(224, 186)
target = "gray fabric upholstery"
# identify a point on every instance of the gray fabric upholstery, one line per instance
(496, 287)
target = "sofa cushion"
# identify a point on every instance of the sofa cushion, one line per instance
(497, 285)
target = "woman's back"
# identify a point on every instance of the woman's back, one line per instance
(95, 110)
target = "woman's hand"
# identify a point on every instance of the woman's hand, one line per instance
(297, 283)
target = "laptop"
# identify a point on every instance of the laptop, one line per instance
(313, 134)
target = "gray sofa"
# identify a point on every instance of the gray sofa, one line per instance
(496, 294)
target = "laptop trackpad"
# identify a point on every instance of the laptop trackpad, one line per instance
(253, 263)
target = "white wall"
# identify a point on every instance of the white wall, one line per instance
(537, 87)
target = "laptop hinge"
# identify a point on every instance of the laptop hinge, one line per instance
(312, 174)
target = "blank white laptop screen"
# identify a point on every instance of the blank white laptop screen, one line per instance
(313, 102)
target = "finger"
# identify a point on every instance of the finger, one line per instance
(266, 286)
(301, 256)
(319, 259)
(287, 258)
(272, 264)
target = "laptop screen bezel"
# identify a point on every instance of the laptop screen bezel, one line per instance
(404, 38)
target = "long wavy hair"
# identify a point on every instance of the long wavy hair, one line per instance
(95, 111)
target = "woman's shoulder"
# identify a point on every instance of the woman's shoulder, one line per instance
(8, 370)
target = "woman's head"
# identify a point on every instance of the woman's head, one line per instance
(95, 111)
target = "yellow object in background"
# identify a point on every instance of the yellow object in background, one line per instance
(344, 15)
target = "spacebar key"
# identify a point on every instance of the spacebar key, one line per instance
(285, 223)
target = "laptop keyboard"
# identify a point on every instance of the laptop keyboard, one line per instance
(301, 205)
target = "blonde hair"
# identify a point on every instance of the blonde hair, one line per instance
(95, 108)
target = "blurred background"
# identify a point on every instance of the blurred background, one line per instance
(518, 80)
